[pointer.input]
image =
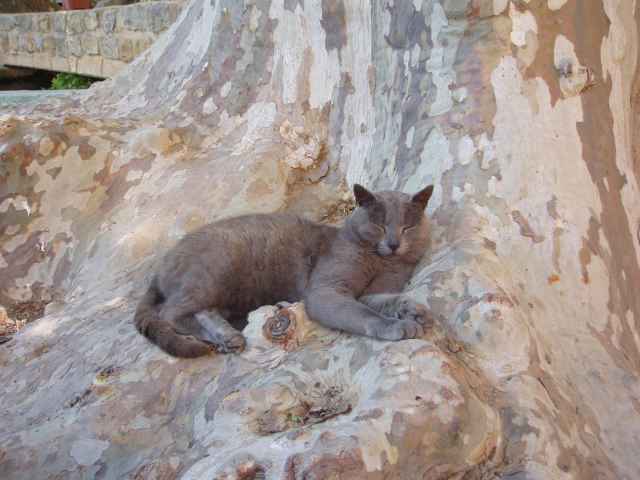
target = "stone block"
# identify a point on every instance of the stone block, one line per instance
(160, 18)
(90, 65)
(41, 60)
(13, 42)
(141, 44)
(60, 22)
(75, 22)
(74, 46)
(73, 64)
(60, 64)
(49, 44)
(60, 46)
(126, 52)
(7, 22)
(26, 43)
(24, 22)
(44, 23)
(91, 21)
(109, 47)
(132, 18)
(31, 43)
(108, 21)
(4, 42)
(111, 67)
(22, 44)
(90, 44)
(174, 10)
(38, 42)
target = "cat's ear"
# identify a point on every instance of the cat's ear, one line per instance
(423, 196)
(364, 197)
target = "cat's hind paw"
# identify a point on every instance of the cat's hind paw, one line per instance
(401, 330)
(233, 343)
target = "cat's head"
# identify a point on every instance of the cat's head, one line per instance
(393, 223)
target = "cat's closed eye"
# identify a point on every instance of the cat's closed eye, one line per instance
(408, 228)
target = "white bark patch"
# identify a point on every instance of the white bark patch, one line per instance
(522, 22)
(46, 147)
(289, 47)
(43, 328)
(439, 63)
(226, 88)
(409, 139)
(488, 151)
(325, 69)
(377, 445)
(356, 61)
(460, 94)
(466, 150)
(193, 51)
(209, 106)
(152, 140)
(415, 55)
(254, 18)
(543, 146)
(18, 202)
(556, 4)
(619, 58)
(435, 160)
(295, 33)
(259, 117)
(499, 6)
(573, 76)
(87, 452)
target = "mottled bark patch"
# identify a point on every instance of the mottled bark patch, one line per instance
(525, 228)
(334, 24)
(600, 156)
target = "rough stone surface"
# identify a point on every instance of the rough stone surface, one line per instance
(75, 22)
(108, 20)
(91, 21)
(84, 41)
(7, 22)
(532, 370)
(44, 24)
(59, 23)
(109, 47)
(90, 44)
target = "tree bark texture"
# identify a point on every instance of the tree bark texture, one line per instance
(522, 113)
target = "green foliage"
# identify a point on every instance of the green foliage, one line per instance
(66, 81)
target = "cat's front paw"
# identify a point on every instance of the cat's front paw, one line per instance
(409, 309)
(401, 330)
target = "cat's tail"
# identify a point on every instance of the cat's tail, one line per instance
(149, 324)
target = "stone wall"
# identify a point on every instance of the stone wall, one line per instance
(97, 42)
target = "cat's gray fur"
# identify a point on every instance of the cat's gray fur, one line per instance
(350, 278)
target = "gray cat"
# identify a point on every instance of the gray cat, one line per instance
(348, 277)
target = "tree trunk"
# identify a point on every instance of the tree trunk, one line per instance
(521, 113)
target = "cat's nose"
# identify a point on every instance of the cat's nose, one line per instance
(393, 245)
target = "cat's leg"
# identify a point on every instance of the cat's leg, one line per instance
(188, 318)
(219, 332)
(399, 306)
(337, 310)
